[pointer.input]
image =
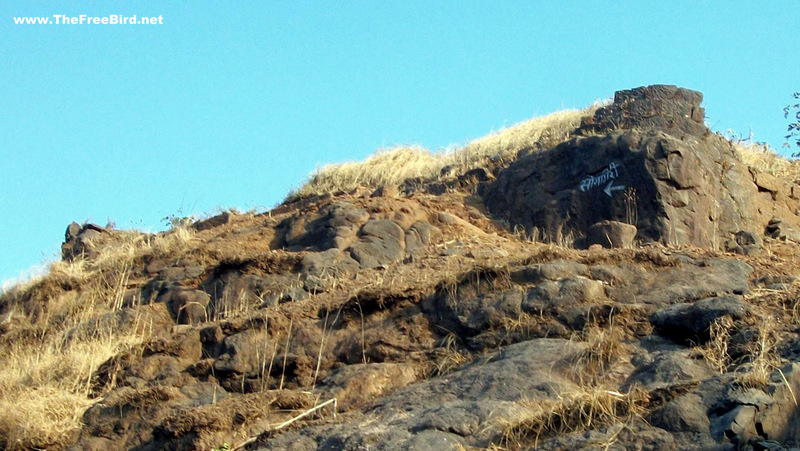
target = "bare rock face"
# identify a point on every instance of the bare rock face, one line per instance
(665, 107)
(79, 241)
(346, 236)
(646, 160)
(334, 226)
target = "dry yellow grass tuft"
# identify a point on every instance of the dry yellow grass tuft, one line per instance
(394, 165)
(715, 351)
(590, 405)
(59, 329)
(577, 410)
(762, 356)
(604, 346)
(448, 356)
(763, 158)
(760, 359)
(45, 382)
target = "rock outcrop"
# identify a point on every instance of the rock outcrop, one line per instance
(80, 241)
(646, 160)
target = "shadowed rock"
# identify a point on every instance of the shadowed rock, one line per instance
(646, 160)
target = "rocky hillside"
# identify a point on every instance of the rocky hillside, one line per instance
(620, 278)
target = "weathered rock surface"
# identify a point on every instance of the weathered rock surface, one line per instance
(370, 240)
(611, 234)
(382, 242)
(648, 161)
(745, 243)
(448, 411)
(692, 321)
(80, 241)
(690, 281)
(334, 226)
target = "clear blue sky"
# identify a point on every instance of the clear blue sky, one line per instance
(229, 104)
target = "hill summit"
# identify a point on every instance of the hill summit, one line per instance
(615, 278)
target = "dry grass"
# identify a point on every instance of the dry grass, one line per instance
(582, 409)
(59, 328)
(45, 383)
(448, 356)
(589, 406)
(762, 357)
(765, 159)
(394, 165)
(521, 327)
(715, 351)
(604, 346)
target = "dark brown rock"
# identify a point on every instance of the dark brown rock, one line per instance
(334, 226)
(80, 241)
(214, 221)
(381, 242)
(667, 107)
(781, 230)
(745, 243)
(356, 384)
(185, 305)
(691, 322)
(332, 262)
(611, 234)
(691, 281)
(563, 295)
(243, 353)
(419, 236)
(655, 167)
(554, 270)
(745, 238)
(685, 414)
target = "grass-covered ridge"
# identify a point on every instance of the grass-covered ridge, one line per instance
(394, 165)
(762, 157)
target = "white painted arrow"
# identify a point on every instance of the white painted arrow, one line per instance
(610, 188)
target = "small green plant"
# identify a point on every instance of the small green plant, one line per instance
(224, 447)
(793, 129)
(177, 221)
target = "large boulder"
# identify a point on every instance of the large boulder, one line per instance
(80, 241)
(665, 107)
(611, 234)
(692, 321)
(645, 160)
(382, 242)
